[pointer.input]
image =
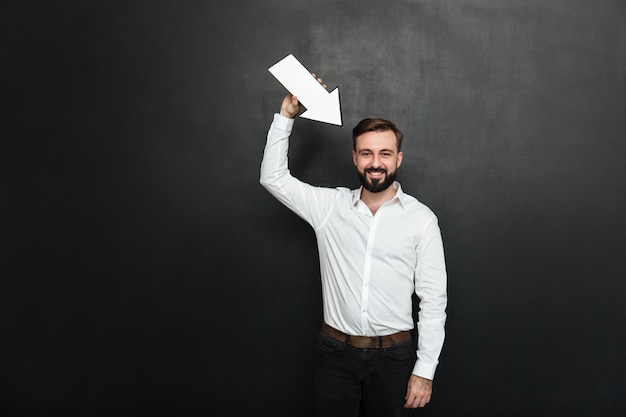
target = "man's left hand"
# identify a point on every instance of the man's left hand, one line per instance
(418, 392)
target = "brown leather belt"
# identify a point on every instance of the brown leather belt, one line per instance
(367, 342)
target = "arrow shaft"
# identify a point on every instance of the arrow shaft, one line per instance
(297, 80)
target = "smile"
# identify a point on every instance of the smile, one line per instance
(376, 174)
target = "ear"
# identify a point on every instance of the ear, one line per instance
(354, 157)
(399, 160)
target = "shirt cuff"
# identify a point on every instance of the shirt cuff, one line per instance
(283, 123)
(424, 370)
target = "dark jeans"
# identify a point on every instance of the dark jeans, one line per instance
(345, 376)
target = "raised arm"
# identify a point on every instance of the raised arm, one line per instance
(309, 202)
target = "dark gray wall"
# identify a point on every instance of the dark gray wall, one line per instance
(145, 272)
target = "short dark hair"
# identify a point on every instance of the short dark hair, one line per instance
(376, 125)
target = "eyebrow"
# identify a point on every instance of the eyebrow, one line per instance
(369, 150)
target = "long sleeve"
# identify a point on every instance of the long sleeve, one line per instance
(309, 202)
(430, 287)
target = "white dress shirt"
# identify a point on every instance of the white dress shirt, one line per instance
(370, 264)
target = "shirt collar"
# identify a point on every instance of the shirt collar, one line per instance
(400, 196)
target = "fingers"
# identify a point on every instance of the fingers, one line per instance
(319, 80)
(416, 401)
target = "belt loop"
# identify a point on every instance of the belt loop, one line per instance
(347, 341)
(380, 341)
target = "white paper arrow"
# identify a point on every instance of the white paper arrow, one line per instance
(321, 105)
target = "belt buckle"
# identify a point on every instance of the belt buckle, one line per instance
(377, 342)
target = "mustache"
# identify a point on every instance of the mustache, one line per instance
(383, 170)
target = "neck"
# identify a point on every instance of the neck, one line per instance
(375, 200)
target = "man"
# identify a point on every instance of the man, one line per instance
(377, 246)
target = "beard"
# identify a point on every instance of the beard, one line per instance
(376, 185)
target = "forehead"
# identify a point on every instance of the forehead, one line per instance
(377, 141)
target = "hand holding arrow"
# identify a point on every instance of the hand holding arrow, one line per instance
(321, 105)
